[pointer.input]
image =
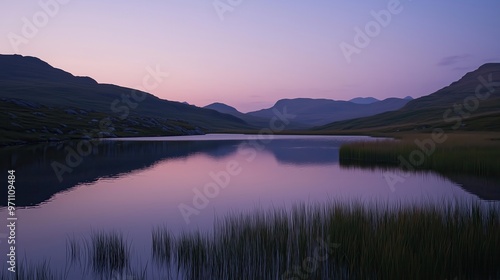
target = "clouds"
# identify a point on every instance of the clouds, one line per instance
(464, 62)
(454, 60)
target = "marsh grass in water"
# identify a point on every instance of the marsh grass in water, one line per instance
(457, 240)
(109, 253)
(104, 255)
(25, 271)
(73, 250)
(338, 240)
(162, 249)
(474, 154)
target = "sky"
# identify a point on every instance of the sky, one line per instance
(249, 54)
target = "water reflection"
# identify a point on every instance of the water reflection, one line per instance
(36, 166)
(134, 186)
(485, 188)
(38, 181)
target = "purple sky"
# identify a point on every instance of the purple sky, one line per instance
(259, 51)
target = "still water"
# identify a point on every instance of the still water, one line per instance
(134, 185)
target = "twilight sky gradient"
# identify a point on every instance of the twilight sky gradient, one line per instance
(263, 50)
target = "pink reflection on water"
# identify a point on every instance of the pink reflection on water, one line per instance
(136, 202)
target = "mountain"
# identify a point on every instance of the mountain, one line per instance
(38, 101)
(458, 106)
(223, 108)
(364, 100)
(315, 112)
(253, 120)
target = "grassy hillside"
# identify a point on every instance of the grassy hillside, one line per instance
(30, 87)
(36, 123)
(455, 107)
(28, 79)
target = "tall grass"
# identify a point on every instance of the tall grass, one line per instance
(163, 246)
(25, 271)
(476, 154)
(73, 250)
(109, 253)
(338, 240)
(455, 241)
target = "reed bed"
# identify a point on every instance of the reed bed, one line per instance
(103, 255)
(163, 241)
(347, 241)
(73, 250)
(109, 253)
(24, 271)
(337, 240)
(460, 154)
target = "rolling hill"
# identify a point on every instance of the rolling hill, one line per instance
(253, 120)
(223, 108)
(38, 101)
(459, 106)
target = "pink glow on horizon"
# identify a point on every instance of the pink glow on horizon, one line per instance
(263, 51)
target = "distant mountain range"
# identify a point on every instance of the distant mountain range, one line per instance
(254, 120)
(469, 104)
(370, 100)
(313, 112)
(41, 103)
(364, 100)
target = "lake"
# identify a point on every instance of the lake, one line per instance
(184, 183)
